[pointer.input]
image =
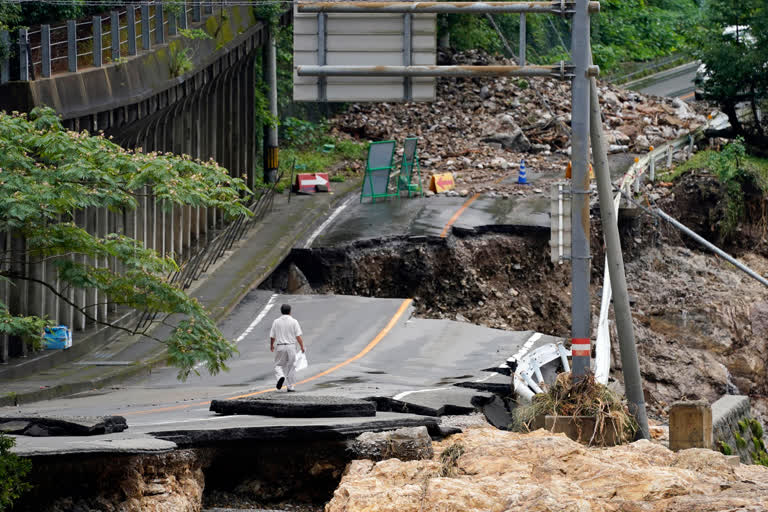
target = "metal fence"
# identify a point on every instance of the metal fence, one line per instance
(93, 42)
(196, 237)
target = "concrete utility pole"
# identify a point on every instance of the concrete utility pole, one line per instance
(270, 131)
(580, 256)
(633, 382)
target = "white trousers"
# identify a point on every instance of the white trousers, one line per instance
(285, 364)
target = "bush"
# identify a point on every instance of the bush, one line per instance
(13, 470)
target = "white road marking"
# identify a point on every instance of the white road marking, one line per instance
(324, 225)
(270, 304)
(483, 379)
(259, 318)
(526, 347)
(400, 396)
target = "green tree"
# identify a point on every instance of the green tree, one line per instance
(733, 45)
(47, 173)
(13, 470)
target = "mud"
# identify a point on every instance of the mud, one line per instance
(497, 280)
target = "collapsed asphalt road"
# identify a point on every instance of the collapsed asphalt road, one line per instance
(357, 347)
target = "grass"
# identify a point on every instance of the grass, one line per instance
(305, 144)
(702, 160)
(584, 397)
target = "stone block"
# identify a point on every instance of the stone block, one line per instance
(411, 443)
(690, 425)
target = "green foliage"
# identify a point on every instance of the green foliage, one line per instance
(624, 30)
(742, 425)
(725, 448)
(300, 133)
(736, 60)
(48, 173)
(181, 56)
(13, 470)
(756, 428)
(728, 166)
(740, 442)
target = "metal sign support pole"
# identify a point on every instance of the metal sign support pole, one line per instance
(580, 256)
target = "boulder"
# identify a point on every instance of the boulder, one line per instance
(412, 443)
(514, 140)
(485, 469)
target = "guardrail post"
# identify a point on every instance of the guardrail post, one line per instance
(690, 146)
(652, 168)
(131, 26)
(114, 18)
(72, 46)
(522, 38)
(23, 55)
(146, 44)
(669, 156)
(159, 22)
(183, 21)
(5, 65)
(45, 49)
(196, 10)
(172, 24)
(97, 47)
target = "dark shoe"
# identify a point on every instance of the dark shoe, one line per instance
(291, 390)
(280, 382)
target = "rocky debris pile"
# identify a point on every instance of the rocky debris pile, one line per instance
(482, 128)
(45, 426)
(491, 470)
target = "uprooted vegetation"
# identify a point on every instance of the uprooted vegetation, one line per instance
(571, 398)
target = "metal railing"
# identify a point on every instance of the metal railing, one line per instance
(94, 41)
(680, 149)
(204, 257)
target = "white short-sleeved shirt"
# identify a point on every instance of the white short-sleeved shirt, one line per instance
(285, 330)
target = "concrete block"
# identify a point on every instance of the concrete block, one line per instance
(582, 429)
(690, 425)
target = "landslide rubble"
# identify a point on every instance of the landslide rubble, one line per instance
(493, 471)
(482, 128)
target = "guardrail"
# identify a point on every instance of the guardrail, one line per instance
(644, 166)
(528, 366)
(91, 42)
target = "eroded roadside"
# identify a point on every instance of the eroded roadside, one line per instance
(701, 325)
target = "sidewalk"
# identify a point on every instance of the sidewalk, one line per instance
(100, 360)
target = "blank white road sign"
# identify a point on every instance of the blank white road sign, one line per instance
(364, 40)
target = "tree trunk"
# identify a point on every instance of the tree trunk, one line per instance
(729, 107)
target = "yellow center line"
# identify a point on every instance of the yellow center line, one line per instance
(686, 96)
(469, 201)
(402, 309)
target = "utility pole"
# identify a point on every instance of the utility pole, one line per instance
(580, 256)
(633, 382)
(270, 130)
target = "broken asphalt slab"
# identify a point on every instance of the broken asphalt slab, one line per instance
(47, 426)
(285, 405)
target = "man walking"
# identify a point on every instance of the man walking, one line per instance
(283, 336)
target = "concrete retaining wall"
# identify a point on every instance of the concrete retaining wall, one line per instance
(733, 426)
